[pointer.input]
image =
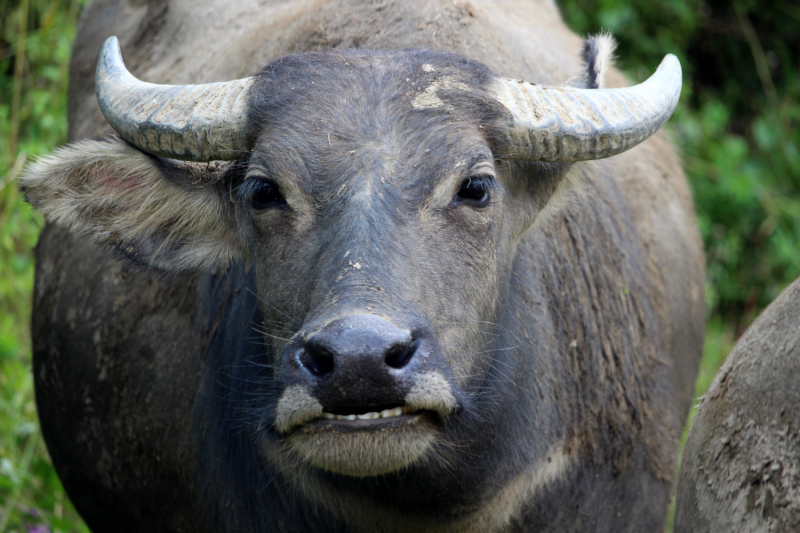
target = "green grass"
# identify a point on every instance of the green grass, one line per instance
(737, 127)
(34, 51)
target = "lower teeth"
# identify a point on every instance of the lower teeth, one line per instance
(386, 413)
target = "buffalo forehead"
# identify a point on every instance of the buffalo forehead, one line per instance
(340, 122)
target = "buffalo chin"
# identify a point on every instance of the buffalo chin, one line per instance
(361, 451)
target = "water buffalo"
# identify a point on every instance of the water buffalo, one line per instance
(380, 285)
(741, 465)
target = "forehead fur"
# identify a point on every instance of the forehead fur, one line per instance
(349, 74)
(387, 104)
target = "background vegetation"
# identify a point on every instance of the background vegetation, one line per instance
(35, 41)
(737, 126)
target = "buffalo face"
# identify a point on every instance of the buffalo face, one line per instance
(382, 228)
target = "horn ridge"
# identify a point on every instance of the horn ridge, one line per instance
(204, 122)
(564, 124)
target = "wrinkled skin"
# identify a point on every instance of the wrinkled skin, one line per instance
(565, 316)
(741, 464)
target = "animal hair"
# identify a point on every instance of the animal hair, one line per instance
(598, 59)
(165, 214)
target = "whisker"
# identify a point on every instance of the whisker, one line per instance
(262, 300)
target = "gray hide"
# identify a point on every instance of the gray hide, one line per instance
(741, 465)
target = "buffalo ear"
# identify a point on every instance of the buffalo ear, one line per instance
(166, 214)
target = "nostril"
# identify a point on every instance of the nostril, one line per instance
(318, 361)
(399, 356)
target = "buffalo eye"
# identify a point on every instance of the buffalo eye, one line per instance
(265, 194)
(475, 191)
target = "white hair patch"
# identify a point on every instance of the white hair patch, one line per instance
(598, 58)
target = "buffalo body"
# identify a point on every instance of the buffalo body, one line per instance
(565, 331)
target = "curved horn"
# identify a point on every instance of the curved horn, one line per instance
(562, 124)
(188, 122)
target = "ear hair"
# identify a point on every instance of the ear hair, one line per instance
(598, 58)
(170, 215)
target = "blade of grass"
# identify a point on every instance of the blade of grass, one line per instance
(19, 72)
(11, 176)
(24, 466)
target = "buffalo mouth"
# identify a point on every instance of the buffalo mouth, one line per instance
(370, 419)
(359, 447)
(431, 397)
(367, 439)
